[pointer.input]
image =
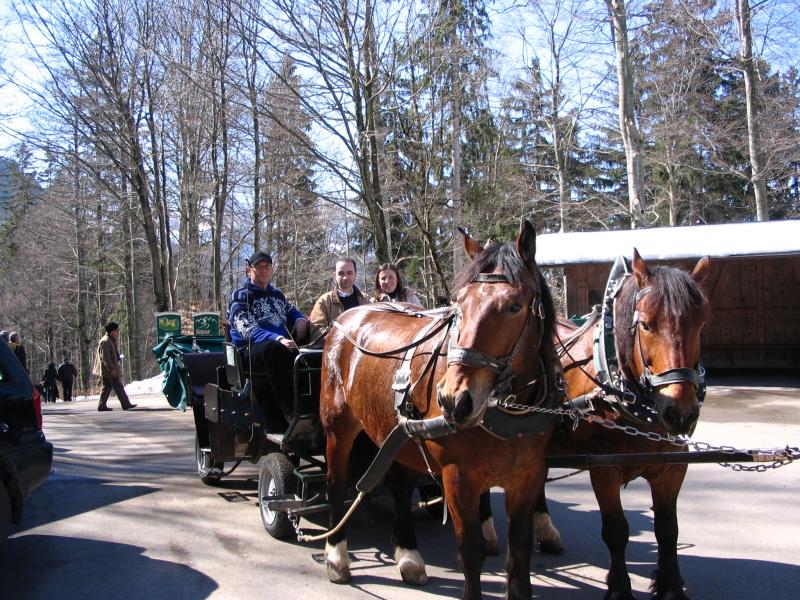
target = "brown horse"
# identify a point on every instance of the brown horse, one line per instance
(502, 305)
(658, 315)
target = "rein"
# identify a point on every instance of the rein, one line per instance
(445, 320)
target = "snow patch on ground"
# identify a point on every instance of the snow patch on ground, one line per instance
(136, 388)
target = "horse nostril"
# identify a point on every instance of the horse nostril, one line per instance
(463, 407)
(677, 422)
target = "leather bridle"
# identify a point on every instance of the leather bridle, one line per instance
(649, 382)
(471, 357)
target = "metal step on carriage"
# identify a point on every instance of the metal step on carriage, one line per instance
(237, 419)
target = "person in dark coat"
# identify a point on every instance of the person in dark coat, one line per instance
(66, 375)
(49, 382)
(19, 350)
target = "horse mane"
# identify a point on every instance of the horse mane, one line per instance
(506, 258)
(676, 291)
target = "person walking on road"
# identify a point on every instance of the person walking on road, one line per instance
(66, 375)
(108, 361)
(49, 383)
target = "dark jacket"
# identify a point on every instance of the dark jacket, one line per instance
(257, 315)
(67, 372)
(19, 352)
(50, 374)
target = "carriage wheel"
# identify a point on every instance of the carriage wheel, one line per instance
(5, 517)
(210, 474)
(276, 478)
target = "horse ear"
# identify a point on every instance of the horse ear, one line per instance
(701, 271)
(640, 269)
(526, 242)
(472, 247)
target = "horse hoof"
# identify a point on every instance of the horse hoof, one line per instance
(546, 534)
(337, 574)
(667, 589)
(551, 546)
(619, 595)
(337, 562)
(411, 566)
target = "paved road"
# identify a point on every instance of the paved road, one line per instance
(124, 516)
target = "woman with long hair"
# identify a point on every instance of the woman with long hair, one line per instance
(389, 286)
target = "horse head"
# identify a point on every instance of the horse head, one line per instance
(502, 305)
(665, 311)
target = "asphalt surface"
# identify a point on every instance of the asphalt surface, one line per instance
(123, 515)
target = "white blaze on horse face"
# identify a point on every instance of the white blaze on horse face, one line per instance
(493, 318)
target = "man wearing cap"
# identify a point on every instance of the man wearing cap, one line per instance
(266, 326)
(110, 371)
(345, 294)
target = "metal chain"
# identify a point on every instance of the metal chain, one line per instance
(789, 454)
(295, 521)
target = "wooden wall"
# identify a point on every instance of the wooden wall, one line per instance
(755, 321)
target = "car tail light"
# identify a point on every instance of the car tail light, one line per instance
(37, 406)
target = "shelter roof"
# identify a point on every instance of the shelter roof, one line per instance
(765, 238)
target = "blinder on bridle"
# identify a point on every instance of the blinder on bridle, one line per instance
(650, 382)
(475, 358)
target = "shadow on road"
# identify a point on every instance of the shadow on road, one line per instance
(35, 562)
(57, 499)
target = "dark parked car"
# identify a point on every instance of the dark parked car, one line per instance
(25, 454)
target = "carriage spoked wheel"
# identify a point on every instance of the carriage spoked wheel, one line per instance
(276, 478)
(210, 471)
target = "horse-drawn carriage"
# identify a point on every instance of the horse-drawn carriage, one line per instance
(236, 419)
(498, 338)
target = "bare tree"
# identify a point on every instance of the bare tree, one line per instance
(754, 103)
(628, 120)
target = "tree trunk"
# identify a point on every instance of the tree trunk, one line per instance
(85, 354)
(455, 197)
(631, 136)
(753, 101)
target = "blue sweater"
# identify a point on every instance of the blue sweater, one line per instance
(257, 315)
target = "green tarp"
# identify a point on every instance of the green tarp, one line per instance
(169, 354)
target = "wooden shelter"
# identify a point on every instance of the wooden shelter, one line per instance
(754, 285)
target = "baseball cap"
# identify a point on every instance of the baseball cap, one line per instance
(257, 257)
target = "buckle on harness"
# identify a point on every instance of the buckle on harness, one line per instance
(402, 380)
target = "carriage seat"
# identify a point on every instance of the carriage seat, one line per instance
(237, 371)
(202, 368)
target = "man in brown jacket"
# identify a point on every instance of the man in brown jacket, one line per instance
(344, 295)
(108, 357)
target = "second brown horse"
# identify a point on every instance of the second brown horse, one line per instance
(658, 315)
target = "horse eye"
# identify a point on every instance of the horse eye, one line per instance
(644, 325)
(515, 307)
